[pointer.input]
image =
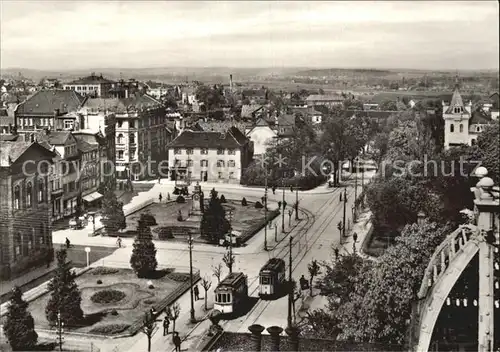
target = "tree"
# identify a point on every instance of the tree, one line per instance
(19, 325)
(314, 270)
(388, 105)
(148, 328)
(211, 96)
(217, 271)
(378, 308)
(214, 224)
(206, 283)
(487, 143)
(229, 260)
(173, 313)
(113, 217)
(143, 258)
(65, 297)
(353, 104)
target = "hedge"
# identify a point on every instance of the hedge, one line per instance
(248, 233)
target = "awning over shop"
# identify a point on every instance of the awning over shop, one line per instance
(92, 197)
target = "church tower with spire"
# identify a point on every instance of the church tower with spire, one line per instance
(456, 117)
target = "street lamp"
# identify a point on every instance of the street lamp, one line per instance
(283, 212)
(265, 213)
(190, 243)
(87, 250)
(290, 289)
(345, 204)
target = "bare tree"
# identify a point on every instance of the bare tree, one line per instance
(173, 313)
(149, 328)
(229, 260)
(217, 271)
(314, 270)
(206, 283)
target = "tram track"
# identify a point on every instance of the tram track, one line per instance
(303, 232)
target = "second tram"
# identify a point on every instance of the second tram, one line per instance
(272, 277)
(231, 292)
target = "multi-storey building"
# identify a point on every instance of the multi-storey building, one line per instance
(25, 226)
(90, 171)
(462, 124)
(209, 156)
(93, 86)
(68, 169)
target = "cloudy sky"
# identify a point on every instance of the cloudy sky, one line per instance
(67, 34)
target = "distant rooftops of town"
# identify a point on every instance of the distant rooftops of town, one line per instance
(92, 79)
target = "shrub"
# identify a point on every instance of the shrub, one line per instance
(181, 199)
(244, 202)
(104, 271)
(149, 301)
(149, 220)
(99, 281)
(179, 217)
(151, 287)
(179, 277)
(223, 199)
(258, 205)
(107, 296)
(176, 191)
(114, 312)
(165, 233)
(110, 329)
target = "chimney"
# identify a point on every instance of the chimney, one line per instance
(231, 82)
(275, 332)
(256, 337)
(56, 112)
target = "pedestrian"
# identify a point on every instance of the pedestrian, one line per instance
(355, 237)
(336, 250)
(177, 342)
(159, 179)
(166, 324)
(291, 189)
(274, 189)
(168, 196)
(196, 292)
(152, 312)
(119, 242)
(68, 243)
(48, 259)
(160, 197)
(340, 197)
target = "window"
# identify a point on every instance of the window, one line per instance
(231, 175)
(190, 163)
(131, 124)
(264, 280)
(17, 197)
(203, 163)
(40, 191)
(220, 175)
(204, 151)
(18, 244)
(461, 128)
(220, 151)
(177, 162)
(452, 128)
(189, 151)
(29, 193)
(131, 138)
(220, 163)
(478, 128)
(120, 154)
(31, 121)
(231, 163)
(120, 139)
(68, 124)
(119, 123)
(177, 151)
(231, 151)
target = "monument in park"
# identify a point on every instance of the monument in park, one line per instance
(196, 213)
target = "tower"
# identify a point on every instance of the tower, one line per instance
(231, 83)
(456, 117)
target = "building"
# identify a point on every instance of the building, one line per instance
(48, 109)
(66, 171)
(93, 86)
(189, 96)
(253, 112)
(157, 90)
(461, 124)
(325, 100)
(90, 171)
(261, 134)
(25, 229)
(254, 96)
(374, 115)
(209, 156)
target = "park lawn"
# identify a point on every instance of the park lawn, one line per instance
(243, 217)
(139, 298)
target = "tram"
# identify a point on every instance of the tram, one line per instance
(272, 277)
(231, 292)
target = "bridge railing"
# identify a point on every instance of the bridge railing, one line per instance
(443, 255)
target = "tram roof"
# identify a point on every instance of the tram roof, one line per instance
(273, 264)
(231, 279)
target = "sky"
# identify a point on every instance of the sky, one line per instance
(63, 35)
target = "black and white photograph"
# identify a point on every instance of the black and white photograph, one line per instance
(249, 176)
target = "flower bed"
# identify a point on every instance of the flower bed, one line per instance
(108, 296)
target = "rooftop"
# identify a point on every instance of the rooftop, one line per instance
(44, 102)
(53, 137)
(92, 79)
(137, 102)
(11, 151)
(374, 114)
(204, 139)
(324, 97)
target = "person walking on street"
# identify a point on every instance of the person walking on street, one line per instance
(355, 237)
(336, 254)
(119, 242)
(166, 324)
(177, 342)
(68, 243)
(274, 189)
(196, 292)
(160, 197)
(340, 197)
(159, 179)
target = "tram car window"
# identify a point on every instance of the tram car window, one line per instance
(231, 293)
(272, 277)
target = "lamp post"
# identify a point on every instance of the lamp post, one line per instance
(265, 213)
(290, 289)
(190, 243)
(87, 251)
(297, 202)
(355, 189)
(345, 204)
(283, 212)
